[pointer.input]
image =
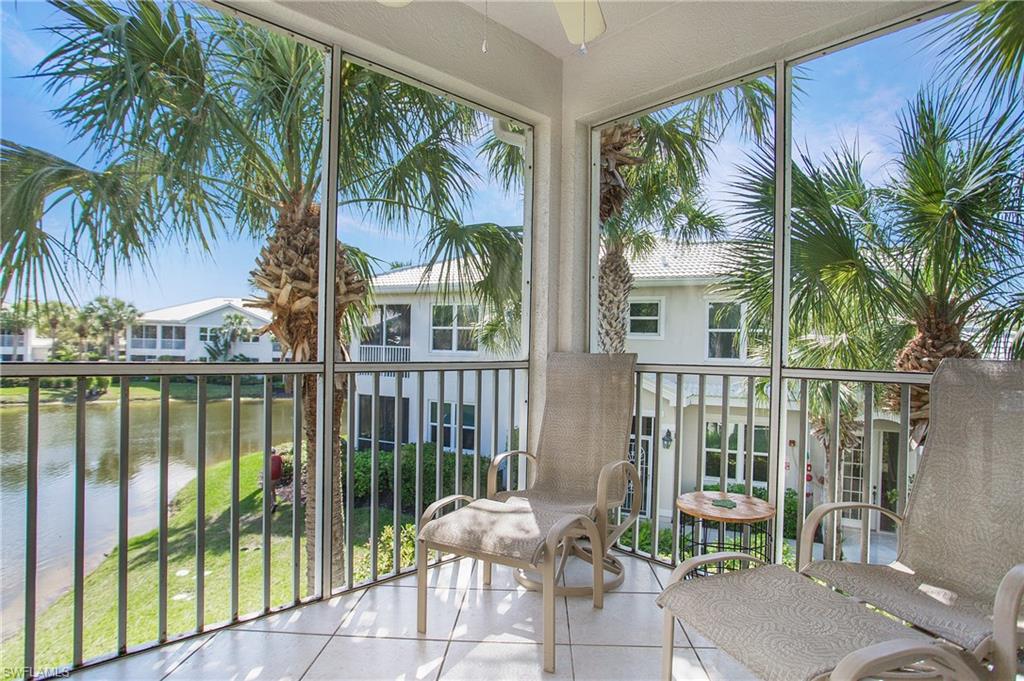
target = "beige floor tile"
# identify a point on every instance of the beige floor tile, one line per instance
(391, 612)
(623, 663)
(456, 574)
(238, 655)
(323, 617)
(476, 661)
(383, 659)
(509, 616)
(627, 619)
(152, 664)
(722, 667)
(638, 578)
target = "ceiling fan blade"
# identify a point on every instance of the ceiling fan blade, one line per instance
(577, 14)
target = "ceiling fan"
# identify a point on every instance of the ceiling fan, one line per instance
(582, 20)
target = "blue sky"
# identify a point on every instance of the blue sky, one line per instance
(853, 95)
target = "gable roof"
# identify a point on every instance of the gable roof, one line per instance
(197, 308)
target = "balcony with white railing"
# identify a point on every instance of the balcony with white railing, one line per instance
(385, 354)
(228, 590)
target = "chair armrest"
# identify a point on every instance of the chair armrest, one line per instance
(691, 564)
(1006, 614)
(806, 547)
(877, 660)
(492, 470)
(431, 510)
(604, 480)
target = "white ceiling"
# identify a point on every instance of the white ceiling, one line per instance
(537, 20)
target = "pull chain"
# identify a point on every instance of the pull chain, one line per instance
(583, 42)
(483, 45)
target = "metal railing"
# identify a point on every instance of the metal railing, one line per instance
(496, 391)
(691, 398)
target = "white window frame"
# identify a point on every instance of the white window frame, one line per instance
(173, 342)
(432, 416)
(740, 452)
(660, 335)
(208, 334)
(454, 328)
(643, 467)
(708, 302)
(142, 342)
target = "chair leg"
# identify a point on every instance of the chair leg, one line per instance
(487, 572)
(421, 586)
(548, 590)
(668, 644)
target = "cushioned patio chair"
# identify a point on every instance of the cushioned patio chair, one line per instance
(952, 600)
(580, 470)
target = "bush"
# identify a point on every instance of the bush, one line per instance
(385, 552)
(361, 474)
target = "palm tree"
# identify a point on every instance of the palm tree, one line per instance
(55, 316)
(930, 265)
(650, 187)
(113, 316)
(84, 327)
(204, 125)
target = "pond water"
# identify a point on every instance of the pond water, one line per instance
(57, 472)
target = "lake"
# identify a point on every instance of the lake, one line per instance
(57, 472)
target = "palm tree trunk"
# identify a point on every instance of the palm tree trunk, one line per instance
(614, 284)
(287, 271)
(937, 338)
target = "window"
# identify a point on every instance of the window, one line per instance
(388, 325)
(645, 317)
(144, 336)
(737, 453)
(172, 337)
(713, 450)
(385, 422)
(644, 467)
(453, 328)
(468, 426)
(209, 334)
(725, 332)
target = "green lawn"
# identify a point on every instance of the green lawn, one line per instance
(141, 389)
(54, 624)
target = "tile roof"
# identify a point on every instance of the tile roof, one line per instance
(668, 260)
(186, 311)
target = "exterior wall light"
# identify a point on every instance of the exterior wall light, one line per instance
(666, 439)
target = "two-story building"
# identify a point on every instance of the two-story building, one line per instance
(676, 316)
(182, 333)
(24, 345)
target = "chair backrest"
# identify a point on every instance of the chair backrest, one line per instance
(588, 408)
(964, 526)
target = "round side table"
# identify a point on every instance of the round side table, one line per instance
(707, 528)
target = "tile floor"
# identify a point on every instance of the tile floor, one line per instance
(473, 633)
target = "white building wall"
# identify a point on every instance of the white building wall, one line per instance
(195, 349)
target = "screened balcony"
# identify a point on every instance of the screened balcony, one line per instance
(238, 511)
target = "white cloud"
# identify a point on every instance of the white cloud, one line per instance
(17, 43)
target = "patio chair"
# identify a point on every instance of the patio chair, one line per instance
(957, 585)
(580, 470)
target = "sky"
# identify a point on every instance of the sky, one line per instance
(175, 275)
(851, 95)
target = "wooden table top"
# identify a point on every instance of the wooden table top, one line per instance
(748, 509)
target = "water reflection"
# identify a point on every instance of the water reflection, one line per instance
(56, 479)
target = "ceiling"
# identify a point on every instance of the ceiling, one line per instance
(537, 20)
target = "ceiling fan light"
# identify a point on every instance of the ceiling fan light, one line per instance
(580, 28)
(394, 3)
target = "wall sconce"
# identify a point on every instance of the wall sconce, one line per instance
(666, 439)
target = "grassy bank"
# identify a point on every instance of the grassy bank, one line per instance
(54, 625)
(141, 389)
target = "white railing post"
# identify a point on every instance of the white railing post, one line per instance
(325, 333)
(780, 303)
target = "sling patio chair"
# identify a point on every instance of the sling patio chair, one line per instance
(580, 470)
(948, 608)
